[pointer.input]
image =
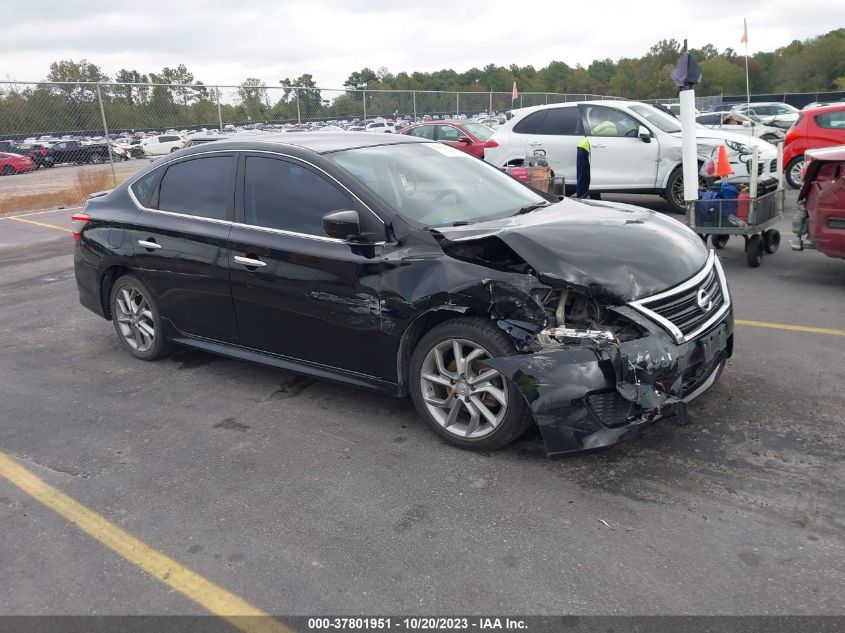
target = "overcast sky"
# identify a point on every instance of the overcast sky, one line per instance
(224, 41)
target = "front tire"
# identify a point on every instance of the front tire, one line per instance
(96, 159)
(793, 172)
(467, 404)
(136, 319)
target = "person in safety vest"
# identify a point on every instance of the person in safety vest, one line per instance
(582, 171)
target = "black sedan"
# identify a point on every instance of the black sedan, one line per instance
(410, 267)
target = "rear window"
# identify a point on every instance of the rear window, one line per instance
(201, 187)
(530, 124)
(143, 187)
(832, 120)
(565, 121)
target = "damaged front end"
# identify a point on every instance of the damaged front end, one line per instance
(602, 372)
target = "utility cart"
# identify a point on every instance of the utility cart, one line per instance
(753, 218)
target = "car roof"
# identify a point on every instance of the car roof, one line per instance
(318, 142)
(830, 107)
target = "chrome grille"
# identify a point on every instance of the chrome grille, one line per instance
(691, 307)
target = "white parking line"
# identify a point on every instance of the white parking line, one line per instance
(24, 215)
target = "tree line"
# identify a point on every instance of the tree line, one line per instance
(816, 64)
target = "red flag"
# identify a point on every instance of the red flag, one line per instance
(514, 94)
(744, 39)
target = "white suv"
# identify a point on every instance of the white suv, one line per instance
(636, 148)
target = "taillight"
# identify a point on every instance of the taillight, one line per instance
(43, 152)
(490, 143)
(78, 221)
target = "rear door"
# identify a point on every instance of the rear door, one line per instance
(619, 159)
(829, 129)
(180, 242)
(298, 293)
(557, 136)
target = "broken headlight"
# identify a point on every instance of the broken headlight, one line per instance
(578, 317)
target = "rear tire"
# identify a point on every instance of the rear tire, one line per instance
(136, 319)
(719, 241)
(674, 193)
(468, 405)
(96, 159)
(754, 251)
(793, 172)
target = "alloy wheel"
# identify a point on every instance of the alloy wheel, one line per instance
(135, 319)
(795, 172)
(463, 396)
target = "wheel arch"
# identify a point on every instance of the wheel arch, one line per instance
(418, 328)
(107, 281)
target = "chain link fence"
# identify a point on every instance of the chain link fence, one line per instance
(112, 129)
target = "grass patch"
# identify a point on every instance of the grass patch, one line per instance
(85, 182)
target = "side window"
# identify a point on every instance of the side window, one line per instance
(280, 194)
(60, 146)
(710, 119)
(832, 120)
(565, 121)
(605, 121)
(423, 131)
(530, 124)
(448, 133)
(143, 187)
(202, 187)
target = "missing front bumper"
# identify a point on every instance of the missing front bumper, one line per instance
(594, 396)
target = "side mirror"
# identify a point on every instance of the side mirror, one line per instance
(746, 124)
(342, 225)
(644, 134)
(465, 139)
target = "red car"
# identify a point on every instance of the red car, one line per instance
(468, 136)
(815, 128)
(821, 216)
(15, 164)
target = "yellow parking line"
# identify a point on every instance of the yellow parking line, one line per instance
(187, 582)
(44, 224)
(794, 328)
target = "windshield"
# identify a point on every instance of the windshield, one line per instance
(436, 185)
(479, 130)
(656, 117)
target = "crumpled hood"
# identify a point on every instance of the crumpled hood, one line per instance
(615, 250)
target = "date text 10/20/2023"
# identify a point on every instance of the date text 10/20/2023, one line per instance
(416, 624)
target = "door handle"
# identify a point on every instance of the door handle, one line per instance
(149, 244)
(249, 262)
(535, 143)
(597, 145)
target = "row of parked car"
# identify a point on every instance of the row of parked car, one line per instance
(32, 153)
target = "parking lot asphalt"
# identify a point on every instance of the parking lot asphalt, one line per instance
(307, 497)
(61, 176)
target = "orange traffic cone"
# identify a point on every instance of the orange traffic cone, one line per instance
(723, 166)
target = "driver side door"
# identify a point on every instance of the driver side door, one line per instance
(619, 159)
(298, 293)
